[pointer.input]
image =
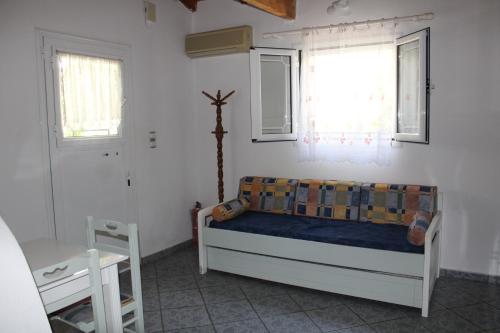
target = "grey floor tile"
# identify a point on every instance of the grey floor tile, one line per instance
(357, 329)
(214, 278)
(274, 305)
(174, 270)
(246, 326)
(453, 297)
(481, 290)
(151, 302)
(231, 311)
(448, 322)
(448, 282)
(334, 318)
(175, 258)
(185, 317)
(309, 299)
(372, 311)
(221, 294)
(483, 315)
(202, 329)
(152, 322)
(149, 287)
(179, 299)
(148, 271)
(495, 303)
(224, 294)
(260, 288)
(297, 322)
(405, 325)
(417, 312)
(175, 283)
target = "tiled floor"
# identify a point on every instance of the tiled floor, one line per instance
(178, 299)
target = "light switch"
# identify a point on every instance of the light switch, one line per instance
(152, 139)
(150, 12)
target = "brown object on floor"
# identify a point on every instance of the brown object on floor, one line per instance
(219, 134)
(58, 326)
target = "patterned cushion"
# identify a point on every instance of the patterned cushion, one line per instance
(393, 203)
(328, 199)
(267, 194)
(230, 209)
(417, 229)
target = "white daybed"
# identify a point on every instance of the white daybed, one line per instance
(389, 276)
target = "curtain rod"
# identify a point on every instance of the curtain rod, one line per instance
(396, 19)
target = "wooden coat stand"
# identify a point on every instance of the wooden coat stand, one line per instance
(219, 134)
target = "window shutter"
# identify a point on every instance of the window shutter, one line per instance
(413, 88)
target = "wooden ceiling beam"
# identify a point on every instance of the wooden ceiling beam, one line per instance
(190, 4)
(280, 8)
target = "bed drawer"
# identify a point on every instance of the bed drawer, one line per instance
(399, 263)
(381, 287)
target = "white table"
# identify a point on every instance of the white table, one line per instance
(43, 252)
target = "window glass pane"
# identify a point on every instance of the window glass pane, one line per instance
(90, 93)
(354, 89)
(409, 88)
(275, 94)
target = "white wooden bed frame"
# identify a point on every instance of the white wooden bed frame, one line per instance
(389, 276)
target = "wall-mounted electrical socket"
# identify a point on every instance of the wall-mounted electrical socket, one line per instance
(152, 139)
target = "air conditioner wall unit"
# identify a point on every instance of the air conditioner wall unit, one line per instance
(219, 42)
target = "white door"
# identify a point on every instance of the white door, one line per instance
(87, 113)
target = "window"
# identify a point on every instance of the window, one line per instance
(412, 122)
(274, 94)
(355, 89)
(86, 84)
(90, 96)
(353, 80)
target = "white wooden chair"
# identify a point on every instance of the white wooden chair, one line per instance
(117, 230)
(62, 270)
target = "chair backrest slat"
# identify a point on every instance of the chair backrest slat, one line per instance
(115, 229)
(112, 248)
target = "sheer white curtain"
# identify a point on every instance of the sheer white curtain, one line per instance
(90, 93)
(347, 94)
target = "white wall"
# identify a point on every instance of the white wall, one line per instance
(463, 158)
(161, 89)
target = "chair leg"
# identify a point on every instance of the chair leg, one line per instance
(139, 323)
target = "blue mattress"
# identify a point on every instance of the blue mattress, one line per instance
(361, 234)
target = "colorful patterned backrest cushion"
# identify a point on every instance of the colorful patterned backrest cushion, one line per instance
(393, 203)
(268, 194)
(329, 199)
(230, 209)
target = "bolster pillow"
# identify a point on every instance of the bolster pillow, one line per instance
(230, 209)
(417, 229)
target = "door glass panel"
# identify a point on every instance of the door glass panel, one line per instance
(409, 88)
(276, 94)
(90, 96)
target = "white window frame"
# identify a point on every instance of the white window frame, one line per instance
(422, 136)
(56, 42)
(256, 98)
